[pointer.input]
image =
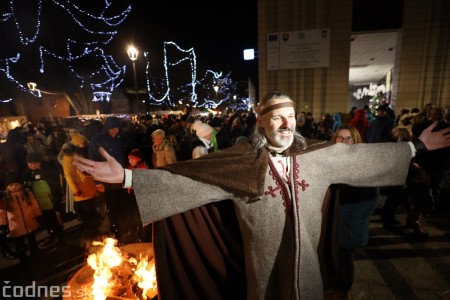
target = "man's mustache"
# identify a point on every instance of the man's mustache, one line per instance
(285, 130)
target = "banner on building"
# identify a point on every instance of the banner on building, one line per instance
(298, 49)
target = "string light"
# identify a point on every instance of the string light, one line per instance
(377, 95)
(101, 96)
(108, 74)
(206, 83)
(373, 90)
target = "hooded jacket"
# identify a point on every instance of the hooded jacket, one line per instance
(115, 146)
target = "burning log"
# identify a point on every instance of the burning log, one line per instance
(115, 273)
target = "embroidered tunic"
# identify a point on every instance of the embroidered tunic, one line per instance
(281, 228)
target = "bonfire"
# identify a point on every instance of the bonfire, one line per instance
(111, 273)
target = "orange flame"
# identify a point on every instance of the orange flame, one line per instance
(112, 270)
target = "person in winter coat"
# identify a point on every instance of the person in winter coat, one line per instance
(70, 202)
(380, 129)
(19, 214)
(14, 151)
(337, 121)
(72, 132)
(361, 123)
(163, 151)
(204, 144)
(115, 196)
(43, 179)
(355, 206)
(143, 233)
(83, 188)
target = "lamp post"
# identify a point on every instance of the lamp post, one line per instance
(133, 55)
(216, 89)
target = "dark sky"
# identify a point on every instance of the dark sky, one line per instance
(218, 31)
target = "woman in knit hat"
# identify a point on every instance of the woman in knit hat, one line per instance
(204, 143)
(195, 125)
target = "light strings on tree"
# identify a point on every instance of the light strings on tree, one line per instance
(102, 80)
(377, 94)
(225, 85)
(87, 45)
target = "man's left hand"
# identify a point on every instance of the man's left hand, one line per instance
(437, 139)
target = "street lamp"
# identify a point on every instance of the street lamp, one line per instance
(133, 55)
(216, 89)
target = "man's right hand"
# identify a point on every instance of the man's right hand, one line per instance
(109, 171)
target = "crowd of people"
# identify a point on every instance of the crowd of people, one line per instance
(38, 159)
(247, 217)
(41, 182)
(427, 185)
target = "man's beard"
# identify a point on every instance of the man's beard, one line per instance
(259, 139)
(278, 140)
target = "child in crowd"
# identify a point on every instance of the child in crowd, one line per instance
(135, 161)
(19, 214)
(44, 182)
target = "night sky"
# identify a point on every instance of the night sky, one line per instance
(218, 31)
(208, 28)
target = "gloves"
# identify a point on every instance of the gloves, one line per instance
(4, 230)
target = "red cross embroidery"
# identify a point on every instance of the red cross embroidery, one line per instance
(272, 191)
(303, 184)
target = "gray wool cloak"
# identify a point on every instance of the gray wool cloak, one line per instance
(280, 222)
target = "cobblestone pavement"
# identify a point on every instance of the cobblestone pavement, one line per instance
(394, 265)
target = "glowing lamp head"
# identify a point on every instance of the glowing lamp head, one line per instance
(132, 53)
(32, 86)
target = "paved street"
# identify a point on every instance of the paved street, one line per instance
(398, 266)
(392, 266)
(52, 267)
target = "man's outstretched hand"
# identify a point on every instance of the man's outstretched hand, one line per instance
(435, 140)
(109, 171)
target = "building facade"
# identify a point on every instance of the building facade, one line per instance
(421, 73)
